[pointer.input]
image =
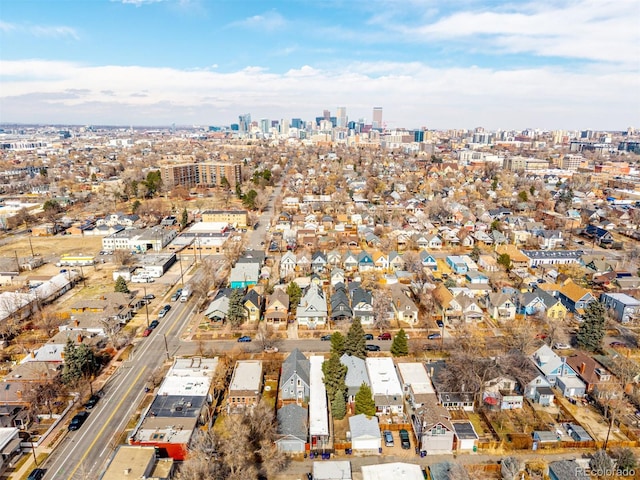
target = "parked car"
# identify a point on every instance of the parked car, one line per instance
(372, 348)
(147, 332)
(326, 338)
(91, 402)
(164, 311)
(154, 324)
(149, 296)
(384, 336)
(541, 336)
(368, 336)
(271, 349)
(388, 438)
(78, 420)
(434, 336)
(562, 346)
(440, 323)
(175, 296)
(36, 474)
(404, 439)
(244, 338)
(617, 344)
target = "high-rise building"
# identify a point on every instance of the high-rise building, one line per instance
(297, 123)
(265, 125)
(341, 117)
(377, 118)
(244, 122)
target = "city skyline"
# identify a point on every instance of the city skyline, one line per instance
(467, 64)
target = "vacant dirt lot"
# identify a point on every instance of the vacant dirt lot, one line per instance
(47, 246)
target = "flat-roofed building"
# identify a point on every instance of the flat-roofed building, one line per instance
(246, 385)
(416, 383)
(201, 174)
(385, 385)
(138, 462)
(318, 411)
(237, 218)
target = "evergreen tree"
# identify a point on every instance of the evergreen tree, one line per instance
(355, 343)
(338, 406)
(334, 375)
(475, 253)
(153, 182)
(592, 330)
(184, 219)
(399, 347)
(295, 294)
(121, 285)
(364, 401)
(80, 362)
(505, 260)
(236, 312)
(337, 343)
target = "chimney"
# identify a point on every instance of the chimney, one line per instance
(79, 338)
(583, 366)
(33, 354)
(19, 393)
(127, 471)
(76, 322)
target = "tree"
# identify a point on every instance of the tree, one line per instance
(626, 459)
(510, 468)
(505, 260)
(236, 312)
(364, 401)
(337, 343)
(295, 294)
(121, 285)
(338, 405)
(42, 395)
(249, 199)
(184, 219)
(355, 343)
(153, 183)
(80, 363)
(334, 375)
(400, 347)
(522, 196)
(592, 330)
(475, 253)
(135, 206)
(381, 304)
(266, 336)
(601, 462)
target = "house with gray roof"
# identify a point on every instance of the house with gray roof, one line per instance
(567, 470)
(294, 378)
(293, 428)
(356, 375)
(312, 310)
(365, 434)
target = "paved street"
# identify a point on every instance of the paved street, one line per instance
(83, 454)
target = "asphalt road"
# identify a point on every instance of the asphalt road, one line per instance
(84, 453)
(259, 235)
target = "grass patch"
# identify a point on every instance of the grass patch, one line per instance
(269, 395)
(475, 420)
(126, 353)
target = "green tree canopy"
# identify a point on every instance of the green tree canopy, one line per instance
(592, 330)
(364, 401)
(338, 405)
(355, 343)
(505, 260)
(184, 218)
(295, 294)
(249, 200)
(121, 285)
(334, 375)
(337, 343)
(523, 196)
(153, 182)
(236, 312)
(80, 363)
(400, 347)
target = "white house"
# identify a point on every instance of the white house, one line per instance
(365, 434)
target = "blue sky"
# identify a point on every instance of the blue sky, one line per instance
(454, 64)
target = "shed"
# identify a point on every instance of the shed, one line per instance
(544, 436)
(467, 436)
(365, 433)
(578, 433)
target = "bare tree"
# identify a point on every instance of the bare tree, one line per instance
(122, 257)
(510, 468)
(381, 308)
(48, 320)
(266, 336)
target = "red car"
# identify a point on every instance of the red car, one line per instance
(384, 336)
(147, 332)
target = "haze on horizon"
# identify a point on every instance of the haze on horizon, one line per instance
(496, 64)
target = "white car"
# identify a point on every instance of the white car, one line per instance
(562, 346)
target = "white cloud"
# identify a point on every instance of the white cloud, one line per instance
(269, 21)
(138, 3)
(50, 31)
(598, 30)
(412, 94)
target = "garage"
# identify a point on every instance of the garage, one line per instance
(365, 434)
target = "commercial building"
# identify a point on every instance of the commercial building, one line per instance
(237, 218)
(178, 408)
(138, 462)
(139, 240)
(246, 385)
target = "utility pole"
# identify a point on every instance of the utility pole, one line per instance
(181, 271)
(31, 245)
(166, 348)
(146, 305)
